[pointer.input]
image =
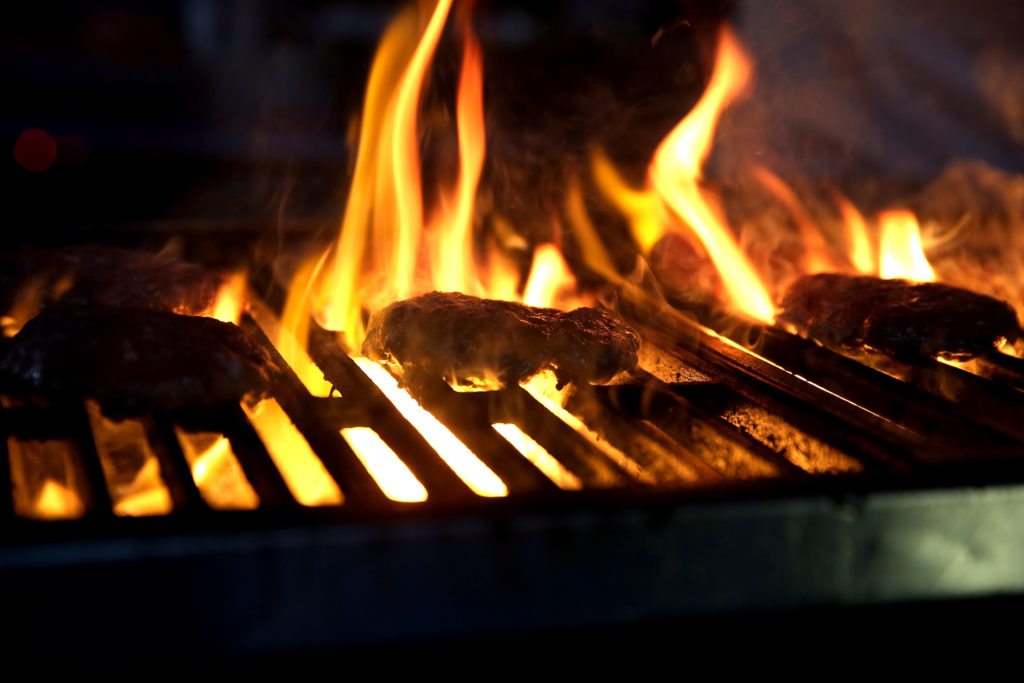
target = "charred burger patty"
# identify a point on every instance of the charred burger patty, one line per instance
(897, 317)
(466, 340)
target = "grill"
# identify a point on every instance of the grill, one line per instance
(753, 481)
(719, 485)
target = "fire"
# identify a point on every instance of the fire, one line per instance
(550, 282)
(45, 479)
(539, 456)
(216, 472)
(675, 174)
(230, 300)
(676, 193)
(453, 256)
(392, 475)
(302, 471)
(902, 254)
(817, 258)
(463, 461)
(857, 236)
(130, 466)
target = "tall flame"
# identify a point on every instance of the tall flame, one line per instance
(902, 254)
(675, 174)
(454, 266)
(857, 236)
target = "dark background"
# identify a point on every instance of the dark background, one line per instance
(232, 115)
(176, 113)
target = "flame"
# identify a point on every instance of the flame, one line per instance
(301, 469)
(544, 388)
(816, 253)
(385, 198)
(45, 479)
(857, 235)
(392, 475)
(230, 300)
(675, 174)
(455, 270)
(902, 254)
(216, 472)
(550, 283)
(539, 456)
(130, 466)
(642, 208)
(463, 461)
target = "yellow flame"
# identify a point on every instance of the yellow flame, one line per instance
(675, 174)
(230, 301)
(339, 301)
(857, 236)
(302, 471)
(455, 270)
(45, 479)
(130, 467)
(392, 475)
(642, 208)
(292, 334)
(550, 282)
(463, 461)
(539, 456)
(216, 472)
(902, 254)
(594, 253)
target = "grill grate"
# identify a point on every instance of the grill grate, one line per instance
(702, 414)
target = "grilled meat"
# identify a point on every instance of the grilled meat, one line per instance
(468, 340)
(133, 360)
(898, 317)
(106, 276)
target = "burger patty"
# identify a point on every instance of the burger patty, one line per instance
(134, 361)
(106, 276)
(469, 340)
(898, 317)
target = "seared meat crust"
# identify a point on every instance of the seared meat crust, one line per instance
(134, 360)
(897, 317)
(467, 340)
(108, 276)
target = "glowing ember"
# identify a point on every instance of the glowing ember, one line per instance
(395, 479)
(302, 471)
(216, 472)
(130, 466)
(539, 456)
(902, 255)
(463, 461)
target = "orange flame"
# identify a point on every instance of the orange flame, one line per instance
(454, 267)
(675, 173)
(857, 236)
(816, 253)
(902, 254)
(230, 301)
(550, 282)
